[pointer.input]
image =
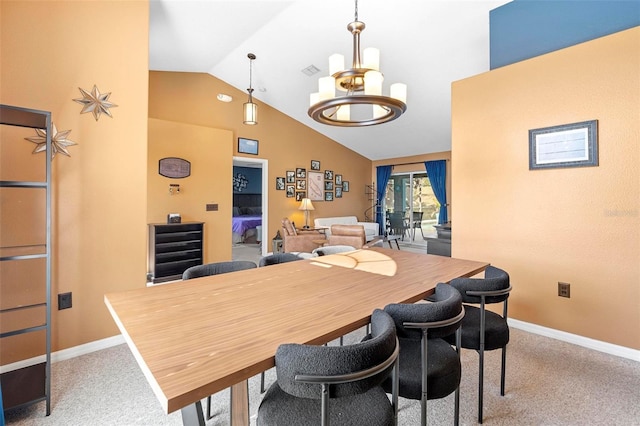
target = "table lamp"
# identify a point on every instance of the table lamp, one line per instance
(306, 206)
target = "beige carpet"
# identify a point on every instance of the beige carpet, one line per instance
(548, 383)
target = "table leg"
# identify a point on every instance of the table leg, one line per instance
(240, 404)
(192, 415)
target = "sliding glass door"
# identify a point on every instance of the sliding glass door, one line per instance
(410, 196)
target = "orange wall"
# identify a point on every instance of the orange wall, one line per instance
(209, 151)
(576, 225)
(190, 98)
(49, 49)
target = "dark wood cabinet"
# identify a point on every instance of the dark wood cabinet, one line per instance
(173, 247)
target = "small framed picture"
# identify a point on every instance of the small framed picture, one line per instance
(301, 173)
(291, 191)
(247, 146)
(338, 192)
(315, 165)
(345, 185)
(328, 196)
(328, 174)
(301, 185)
(338, 180)
(291, 176)
(567, 145)
(328, 185)
(280, 183)
(300, 195)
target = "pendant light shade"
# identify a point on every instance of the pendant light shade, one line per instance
(250, 110)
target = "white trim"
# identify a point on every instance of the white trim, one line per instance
(69, 353)
(586, 342)
(264, 165)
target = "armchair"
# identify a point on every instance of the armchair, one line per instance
(347, 235)
(298, 240)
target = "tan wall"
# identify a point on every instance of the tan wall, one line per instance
(49, 49)
(209, 182)
(415, 163)
(285, 143)
(577, 225)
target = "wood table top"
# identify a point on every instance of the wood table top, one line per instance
(194, 338)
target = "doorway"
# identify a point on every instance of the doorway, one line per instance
(247, 192)
(410, 196)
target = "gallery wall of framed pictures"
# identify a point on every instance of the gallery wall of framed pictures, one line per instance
(315, 184)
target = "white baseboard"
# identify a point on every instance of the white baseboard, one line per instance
(69, 353)
(575, 339)
(586, 342)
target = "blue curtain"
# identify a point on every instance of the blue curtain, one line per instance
(437, 174)
(383, 173)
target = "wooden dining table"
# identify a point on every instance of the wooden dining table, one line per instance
(194, 338)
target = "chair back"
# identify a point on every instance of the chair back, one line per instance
(397, 223)
(417, 217)
(496, 284)
(276, 258)
(217, 268)
(447, 304)
(349, 235)
(294, 361)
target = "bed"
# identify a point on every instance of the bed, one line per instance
(247, 216)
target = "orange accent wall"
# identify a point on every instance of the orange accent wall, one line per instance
(209, 182)
(190, 98)
(49, 49)
(576, 225)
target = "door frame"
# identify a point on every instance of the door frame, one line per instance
(265, 196)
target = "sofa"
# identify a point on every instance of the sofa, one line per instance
(371, 229)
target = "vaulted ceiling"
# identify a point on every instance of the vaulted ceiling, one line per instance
(426, 44)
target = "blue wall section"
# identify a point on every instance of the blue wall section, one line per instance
(249, 180)
(523, 29)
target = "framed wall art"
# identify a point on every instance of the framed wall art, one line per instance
(567, 145)
(338, 192)
(315, 186)
(338, 180)
(247, 146)
(291, 176)
(174, 168)
(328, 174)
(315, 165)
(328, 196)
(291, 191)
(301, 173)
(345, 186)
(280, 183)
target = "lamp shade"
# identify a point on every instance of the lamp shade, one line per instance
(306, 205)
(250, 113)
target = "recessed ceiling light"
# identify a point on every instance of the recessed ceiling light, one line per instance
(224, 98)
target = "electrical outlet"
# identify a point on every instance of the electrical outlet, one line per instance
(64, 301)
(564, 289)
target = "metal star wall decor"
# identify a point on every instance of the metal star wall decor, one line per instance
(95, 102)
(59, 141)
